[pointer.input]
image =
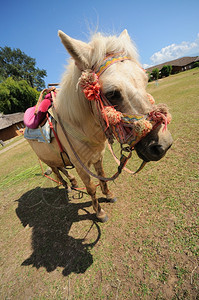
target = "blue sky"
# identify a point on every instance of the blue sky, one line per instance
(162, 30)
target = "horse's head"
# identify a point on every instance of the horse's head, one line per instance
(120, 82)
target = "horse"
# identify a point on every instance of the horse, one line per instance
(105, 69)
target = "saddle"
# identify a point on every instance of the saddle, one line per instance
(36, 115)
(35, 118)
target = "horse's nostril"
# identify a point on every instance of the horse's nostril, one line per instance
(156, 150)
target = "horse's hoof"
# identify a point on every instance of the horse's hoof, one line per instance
(103, 219)
(48, 171)
(68, 189)
(112, 200)
(74, 184)
(102, 216)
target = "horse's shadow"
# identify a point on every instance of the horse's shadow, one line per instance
(51, 215)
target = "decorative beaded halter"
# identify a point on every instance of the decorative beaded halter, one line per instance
(127, 129)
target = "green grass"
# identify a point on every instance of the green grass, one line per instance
(11, 142)
(148, 249)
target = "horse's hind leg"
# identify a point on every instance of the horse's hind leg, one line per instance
(91, 189)
(72, 178)
(103, 184)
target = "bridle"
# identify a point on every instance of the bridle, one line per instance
(109, 60)
(128, 130)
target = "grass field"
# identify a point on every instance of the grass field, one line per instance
(52, 248)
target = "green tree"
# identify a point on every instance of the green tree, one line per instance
(149, 76)
(170, 69)
(166, 70)
(16, 96)
(155, 73)
(16, 64)
(196, 64)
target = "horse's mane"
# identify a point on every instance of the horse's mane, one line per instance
(70, 102)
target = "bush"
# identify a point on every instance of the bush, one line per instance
(196, 64)
(149, 76)
(155, 73)
(170, 69)
(166, 70)
(16, 96)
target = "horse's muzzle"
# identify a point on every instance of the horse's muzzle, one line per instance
(155, 145)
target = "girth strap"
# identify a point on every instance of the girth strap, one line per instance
(62, 151)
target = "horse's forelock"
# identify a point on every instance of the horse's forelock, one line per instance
(103, 45)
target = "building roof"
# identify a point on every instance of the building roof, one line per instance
(180, 62)
(11, 119)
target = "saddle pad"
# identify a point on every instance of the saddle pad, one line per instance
(41, 134)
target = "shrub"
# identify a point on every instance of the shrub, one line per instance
(155, 73)
(196, 64)
(16, 96)
(166, 70)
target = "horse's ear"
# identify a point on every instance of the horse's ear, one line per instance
(125, 34)
(79, 50)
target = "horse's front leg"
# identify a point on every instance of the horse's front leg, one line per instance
(91, 190)
(104, 186)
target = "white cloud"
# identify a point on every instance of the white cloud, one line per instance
(145, 66)
(175, 51)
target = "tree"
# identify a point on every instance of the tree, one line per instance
(16, 96)
(155, 73)
(170, 69)
(16, 64)
(166, 70)
(196, 64)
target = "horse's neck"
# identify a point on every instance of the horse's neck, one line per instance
(75, 111)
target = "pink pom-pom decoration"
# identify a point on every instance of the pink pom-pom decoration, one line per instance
(150, 98)
(110, 114)
(160, 115)
(142, 127)
(90, 85)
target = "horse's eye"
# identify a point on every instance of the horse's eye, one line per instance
(114, 97)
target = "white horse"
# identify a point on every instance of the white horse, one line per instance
(123, 85)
